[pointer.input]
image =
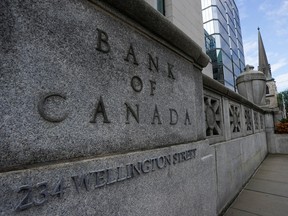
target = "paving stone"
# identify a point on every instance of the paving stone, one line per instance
(261, 203)
(276, 167)
(272, 176)
(267, 186)
(236, 212)
(276, 159)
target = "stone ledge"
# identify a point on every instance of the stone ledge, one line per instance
(215, 86)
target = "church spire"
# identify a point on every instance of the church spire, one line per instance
(264, 66)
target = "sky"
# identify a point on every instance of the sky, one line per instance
(271, 16)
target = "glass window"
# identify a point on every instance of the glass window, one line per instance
(161, 6)
(228, 85)
(223, 58)
(207, 14)
(237, 69)
(221, 6)
(242, 65)
(227, 62)
(206, 3)
(209, 27)
(241, 56)
(233, 47)
(228, 76)
(267, 90)
(221, 43)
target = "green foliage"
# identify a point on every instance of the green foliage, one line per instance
(282, 98)
(284, 120)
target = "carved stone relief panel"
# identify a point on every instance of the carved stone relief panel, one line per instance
(256, 120)
(235, 119)
(248, 119)
(213, 116)
(261, 121)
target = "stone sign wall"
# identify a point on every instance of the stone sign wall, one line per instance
(77, 81)
(101, 112)
(154, 182)
(104, 111)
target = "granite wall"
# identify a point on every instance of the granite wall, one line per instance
(278, 144)
(103, 112)
(236, 130)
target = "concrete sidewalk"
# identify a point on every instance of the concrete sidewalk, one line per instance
(267, 192)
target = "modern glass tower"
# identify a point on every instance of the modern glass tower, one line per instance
(221, 21)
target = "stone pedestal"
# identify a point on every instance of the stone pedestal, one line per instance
(251, 85)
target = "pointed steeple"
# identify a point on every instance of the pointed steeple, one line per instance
(264, 66)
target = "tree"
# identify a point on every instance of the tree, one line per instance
(283, 101)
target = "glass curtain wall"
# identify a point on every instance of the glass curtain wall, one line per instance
(221, 21)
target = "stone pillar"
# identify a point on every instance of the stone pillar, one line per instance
(269, 125)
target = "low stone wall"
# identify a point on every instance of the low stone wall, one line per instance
(235, 129)
(236, 161)
(279, 144)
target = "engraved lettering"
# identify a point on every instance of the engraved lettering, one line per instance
(187, 118)
(173, 121)
(120, 176)
(26, 202)
(156, 116)
(160, 162)
(170, 74)
(59, 189)
(153, 84)
(129, 171)
(146, 166)
(82, 181)
(136, 168)
(43, 193)
(100, 109)
(152, 62)
(189, 154)
(131, 53)
(168, 159)
(39, 196)
(183, 156)
(193, 153)
(153, 162)
(102, 41)
(130, 110)
(175, 158)
(110, 179)
(44, 114)
(136, 84)
(100, 178)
